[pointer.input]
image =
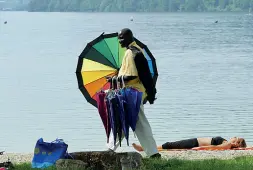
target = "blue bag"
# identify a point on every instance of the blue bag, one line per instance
(46, 154)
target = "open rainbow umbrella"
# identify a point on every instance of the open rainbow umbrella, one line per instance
(100, 58)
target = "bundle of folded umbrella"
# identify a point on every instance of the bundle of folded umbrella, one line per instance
(118, 109)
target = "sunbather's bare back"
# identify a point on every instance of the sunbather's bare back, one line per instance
(204, 141)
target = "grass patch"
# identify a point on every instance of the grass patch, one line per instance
(240, 163)
(28, 166)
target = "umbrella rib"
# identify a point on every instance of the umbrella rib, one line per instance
(110, 52)
(150, 55)
(98, 70)
(118, 55)
(105, 57)
(98, 79)
(152, 59)
(98, 90)
(87, 96)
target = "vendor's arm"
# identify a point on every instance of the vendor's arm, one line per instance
(126, 78)
(128, 70)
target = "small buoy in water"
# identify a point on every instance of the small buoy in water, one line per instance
(216, 22)
(5, 22)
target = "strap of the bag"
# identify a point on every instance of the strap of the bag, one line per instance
(58, 141)
(68, 155)
(134, 48)
(61, 141)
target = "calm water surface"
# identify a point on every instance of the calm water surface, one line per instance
(204, 85)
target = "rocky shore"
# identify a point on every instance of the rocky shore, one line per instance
(185, 155)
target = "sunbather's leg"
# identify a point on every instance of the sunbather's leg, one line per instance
(182, 144)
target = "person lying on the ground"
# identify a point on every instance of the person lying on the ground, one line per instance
(201, 144)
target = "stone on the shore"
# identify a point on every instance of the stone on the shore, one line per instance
(106, 160)
(69, 164)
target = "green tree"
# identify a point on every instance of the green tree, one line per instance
(140, 5)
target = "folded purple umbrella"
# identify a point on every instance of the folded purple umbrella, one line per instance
(115, 117)
(133, 102)
(123, 116)
(102, 109)
(117, 112)
(109, 117)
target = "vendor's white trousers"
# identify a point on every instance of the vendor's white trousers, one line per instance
(144, 134)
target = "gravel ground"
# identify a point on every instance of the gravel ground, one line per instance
(186, 155)
(16, 157)
(197, 155)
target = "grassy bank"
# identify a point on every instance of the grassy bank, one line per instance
(240, 163)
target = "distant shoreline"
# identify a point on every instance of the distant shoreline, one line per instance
(125, 12)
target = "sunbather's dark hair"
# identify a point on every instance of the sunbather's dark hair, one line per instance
(242, 143)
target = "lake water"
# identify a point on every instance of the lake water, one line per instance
(204, 84)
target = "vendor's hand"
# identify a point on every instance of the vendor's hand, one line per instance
(112, 81)
(108, 79)
(119, 78)
(151, 99)
(145, 101)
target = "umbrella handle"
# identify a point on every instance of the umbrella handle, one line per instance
(118, 83)
(113, 85)
(123, 82)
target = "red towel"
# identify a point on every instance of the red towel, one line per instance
(164, 150)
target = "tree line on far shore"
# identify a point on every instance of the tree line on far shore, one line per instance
(140, 5)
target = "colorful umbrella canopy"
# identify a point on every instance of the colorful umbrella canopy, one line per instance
(102, 57)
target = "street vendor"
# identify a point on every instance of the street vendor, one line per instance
(135, 73)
